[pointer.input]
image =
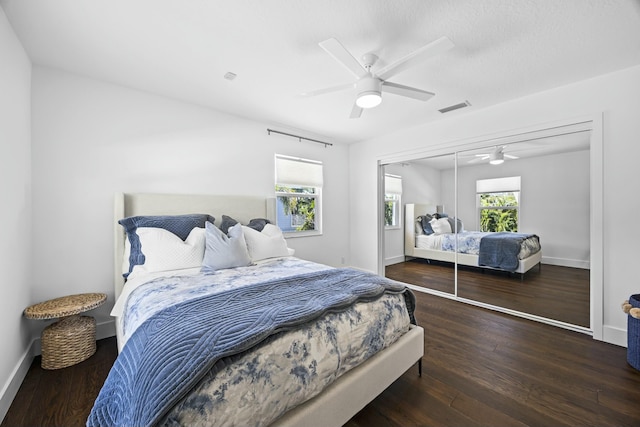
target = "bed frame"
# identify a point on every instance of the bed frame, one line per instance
(411, 212)
(348, 394)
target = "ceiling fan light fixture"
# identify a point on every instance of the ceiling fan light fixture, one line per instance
(369, 99)
(496, 158)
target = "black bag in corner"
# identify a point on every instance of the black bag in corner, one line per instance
(633, 334)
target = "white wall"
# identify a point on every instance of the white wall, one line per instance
(15, 183)
(92, 139)
(615, 95)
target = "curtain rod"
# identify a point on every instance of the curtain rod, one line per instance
(300, 138)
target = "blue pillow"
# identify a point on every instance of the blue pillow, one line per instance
(258, 223)
(455, 222)
(180, 225)
(227, 222)
(426, 225)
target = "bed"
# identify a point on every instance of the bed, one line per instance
(464, 247)
(233, 344)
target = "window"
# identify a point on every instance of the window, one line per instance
(392, 200)
(498, 202)
(298, 191)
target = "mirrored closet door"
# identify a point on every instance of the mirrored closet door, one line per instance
(423, 200)
(533, 186)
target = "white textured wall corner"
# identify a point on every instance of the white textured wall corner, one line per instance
(15, 187)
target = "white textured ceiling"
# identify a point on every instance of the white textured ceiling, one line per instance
(504, 49)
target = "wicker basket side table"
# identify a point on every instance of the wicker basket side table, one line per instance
(71, 339)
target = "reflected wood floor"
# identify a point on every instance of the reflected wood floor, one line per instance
(481, 368)
(559, 293)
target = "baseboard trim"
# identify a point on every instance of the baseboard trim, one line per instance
(394, 260)
(565, 262)
(14, 382)
(614, 335)
(106, 329)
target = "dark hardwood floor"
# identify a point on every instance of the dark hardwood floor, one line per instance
(481, 368)
(554, 292)
(62, 397)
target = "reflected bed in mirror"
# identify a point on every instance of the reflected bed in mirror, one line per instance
(513, 252)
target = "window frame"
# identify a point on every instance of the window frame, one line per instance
(316, 195)
(496, 186)
(396, 204)
(393, 194)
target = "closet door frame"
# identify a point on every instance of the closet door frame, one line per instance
(592, 122)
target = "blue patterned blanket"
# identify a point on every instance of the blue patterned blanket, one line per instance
(500, 250)
(154, 371)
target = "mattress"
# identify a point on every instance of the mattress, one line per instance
(257, 386)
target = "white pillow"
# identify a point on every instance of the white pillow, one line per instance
(225, 251)
(440, 226)
(165, 251)
(268, 243)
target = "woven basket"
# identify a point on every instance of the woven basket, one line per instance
(633, 335)
(65, 306)
(68, 341)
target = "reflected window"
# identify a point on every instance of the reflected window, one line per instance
(498, 202)
(392, 201)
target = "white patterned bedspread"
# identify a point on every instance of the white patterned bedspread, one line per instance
(258, 386)
(145, 295)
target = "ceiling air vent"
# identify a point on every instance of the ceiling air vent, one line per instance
(455, 107)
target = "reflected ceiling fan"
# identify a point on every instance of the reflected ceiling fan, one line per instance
(496, 157)
(371, 85)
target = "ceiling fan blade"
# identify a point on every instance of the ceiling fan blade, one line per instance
(432, 49)
(410, 92)
(327, 90)
(478, 159)
(510, 156)
(356, 112)
(334, 48)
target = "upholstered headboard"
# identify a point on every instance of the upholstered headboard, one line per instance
(241, 208)
(411, 212)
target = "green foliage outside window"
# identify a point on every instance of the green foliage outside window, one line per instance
(304, 207)
(392, 210)
(499, 212)
(388, 213)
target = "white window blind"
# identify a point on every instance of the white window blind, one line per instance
(392, 184)
(498, 185)
(294, 172)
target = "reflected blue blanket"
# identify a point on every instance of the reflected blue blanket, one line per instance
(500, 250)
(154, 371)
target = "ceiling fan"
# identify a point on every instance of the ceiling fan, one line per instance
(371, 85)
(496, 157)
